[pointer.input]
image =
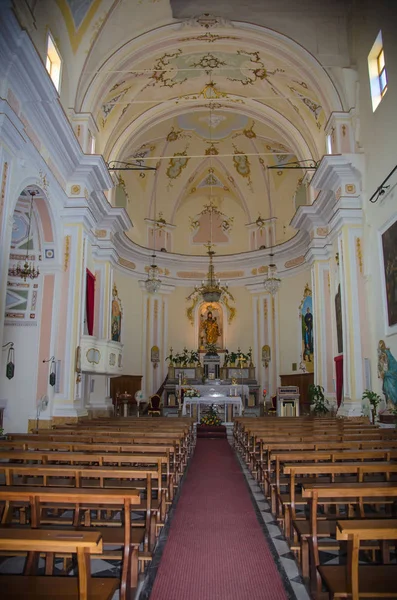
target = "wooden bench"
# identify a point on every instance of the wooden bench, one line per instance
(354, 581)
(125, 500)
(302, 472)
(33, 587)
(358, 493)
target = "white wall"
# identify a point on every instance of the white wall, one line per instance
(290, 330)
(377, 137)
(20, 392)
(130, 295)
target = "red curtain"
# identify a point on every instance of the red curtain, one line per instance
(339, 377)
(90, 301)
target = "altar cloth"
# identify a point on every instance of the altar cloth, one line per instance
(199, 401)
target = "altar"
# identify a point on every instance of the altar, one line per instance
(222, 389)
(232, 405)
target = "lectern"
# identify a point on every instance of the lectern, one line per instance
(288, 401)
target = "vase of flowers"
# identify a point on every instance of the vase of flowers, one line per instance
(211, 417)
(191, 393)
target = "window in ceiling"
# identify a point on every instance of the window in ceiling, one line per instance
(377, 72)
(53, 62)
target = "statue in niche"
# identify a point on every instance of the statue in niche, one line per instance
(306, 316)
(387, 371)
(338, 316)
(116, 316)
(210, 327)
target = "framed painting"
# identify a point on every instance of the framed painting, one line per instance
(388, 240)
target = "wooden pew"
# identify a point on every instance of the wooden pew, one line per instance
(302, 472)
(125, 500)
(172, 474)
(343, 493)
(94, 478)
(34, 587)
(354, 581)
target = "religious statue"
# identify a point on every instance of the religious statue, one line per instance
(116, 316)
(210, 329)
(387, 371)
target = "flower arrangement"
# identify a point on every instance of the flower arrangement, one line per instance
(211, 417)
(184, 358)
(191, 393)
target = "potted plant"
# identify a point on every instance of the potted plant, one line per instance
(374, 399)
(317, 399)
(194, 358)
(232, 358)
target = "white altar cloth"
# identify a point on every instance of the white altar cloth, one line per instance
(221, 388)
(199, 401)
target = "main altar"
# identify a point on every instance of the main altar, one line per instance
(232, 382)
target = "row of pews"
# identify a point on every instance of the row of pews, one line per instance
(332, 485)
(98, 489)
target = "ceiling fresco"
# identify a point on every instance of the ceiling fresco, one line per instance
(219, 109)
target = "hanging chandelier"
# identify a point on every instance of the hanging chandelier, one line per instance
(211, 290)
(153, 282)
(272, 282)
(28, 270)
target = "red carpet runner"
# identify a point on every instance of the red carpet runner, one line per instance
(216, 549)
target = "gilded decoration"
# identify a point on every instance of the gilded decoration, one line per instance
(208, 37)
(242, 165)
(3, 186)
(126, 263)
(75, 190)
(315, 109)
(67, 253)
(255, 66)
(265, 309)
(322, 231)
(359, 254)
(177, 134)
(254, 271)
(350, 188)
(176, 166)
(294, 262)
(100, 233)
(225, 222)
(338, 193)
(93, 356)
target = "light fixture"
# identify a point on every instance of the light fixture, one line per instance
(28, 269)
(211, 290)
(272, 282)
(153, 281)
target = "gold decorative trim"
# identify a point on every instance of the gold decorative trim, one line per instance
(338, 193)
(3, 186)
(75, 190)
(350, 188)
(100, 233)
(294, 262)
(127, 263)
(359, 254)
(67, 253)
(97, 355)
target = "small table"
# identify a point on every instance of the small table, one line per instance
(208, 400)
